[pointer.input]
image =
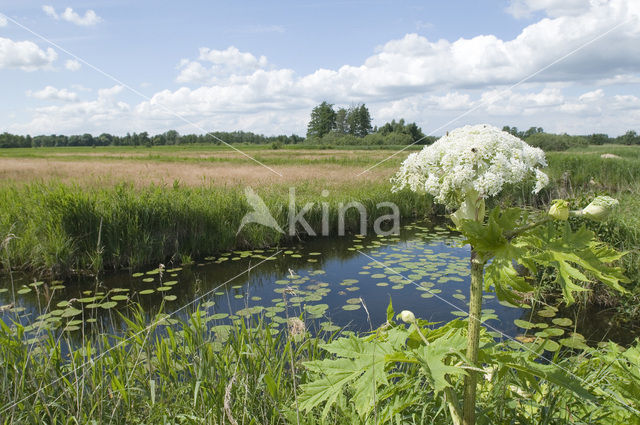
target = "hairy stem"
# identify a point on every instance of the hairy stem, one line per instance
(473, 338)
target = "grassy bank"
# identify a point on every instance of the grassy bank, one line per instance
(61, 228)
(201, 371)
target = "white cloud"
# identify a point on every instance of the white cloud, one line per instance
(90, 17)
(72, 65)
(224, 63)
(619, 79)
(24, 55)
(592, 96)
(52, 93)
(3, 21)
(80, 117)
(422, 80)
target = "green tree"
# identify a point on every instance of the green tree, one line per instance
(342, 124)
(323, 120)
(359, 120)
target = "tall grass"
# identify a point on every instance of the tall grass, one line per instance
(64, 228)
(197, 371)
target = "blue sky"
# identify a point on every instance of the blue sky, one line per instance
(261, 66)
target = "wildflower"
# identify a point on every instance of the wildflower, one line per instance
(600, 208)
(559, 209)
(478, 159)
(407, 316)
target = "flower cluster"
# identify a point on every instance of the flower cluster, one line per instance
(481, 159)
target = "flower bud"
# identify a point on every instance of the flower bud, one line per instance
(559, 209)
(407, 317)
(600, 208)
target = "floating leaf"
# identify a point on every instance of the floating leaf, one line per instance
(70, 312)
(523, 324)
(119, 298)
(350, 307)
(170, 298)
(562, 321)
(108, 305)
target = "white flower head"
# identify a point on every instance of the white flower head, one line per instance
(479, 158)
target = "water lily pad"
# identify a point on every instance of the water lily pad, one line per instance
(170, 298)
(163, 288)
(137, 275)
(70, 312)
(119, 298)
(88, 300)
(562, 321)
(109, 304)
(219, 316)
(554, 331)
(523, 324)
(147, 292)
(350, 307)
(24, 290)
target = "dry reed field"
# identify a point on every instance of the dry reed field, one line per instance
(194, 167)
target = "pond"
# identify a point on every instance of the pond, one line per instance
(331, 283)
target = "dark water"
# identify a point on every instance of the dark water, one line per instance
(330, 282)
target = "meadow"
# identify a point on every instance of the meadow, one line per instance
(85, 211)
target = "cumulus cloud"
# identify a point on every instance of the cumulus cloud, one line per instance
(52, 93)
(90, 17)
(95, 115)
(72, 65)
(219, 64)
(592, 96)
(25, 55)
(418, 78)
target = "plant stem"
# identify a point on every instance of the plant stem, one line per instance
(473, 338)
(521, 230)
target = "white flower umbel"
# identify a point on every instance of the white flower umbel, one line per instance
(471, 162)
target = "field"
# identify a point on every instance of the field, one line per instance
(87, 211)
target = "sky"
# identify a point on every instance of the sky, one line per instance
(115, 66)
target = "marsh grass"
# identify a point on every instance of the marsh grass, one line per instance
(62, 229)
(201, 371)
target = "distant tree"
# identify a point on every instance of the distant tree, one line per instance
(400, 127)
(531, 132)
(629, 138)
(342, 124)
(323, 120)
(359, 120)
(172, 137)
(598, 139)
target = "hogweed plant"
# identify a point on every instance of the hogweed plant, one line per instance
(461, 170)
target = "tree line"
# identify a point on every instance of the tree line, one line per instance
(171, 137)
(326, 127)
(536, 136)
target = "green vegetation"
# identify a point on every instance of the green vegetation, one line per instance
(63, 229)
(205, 371)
